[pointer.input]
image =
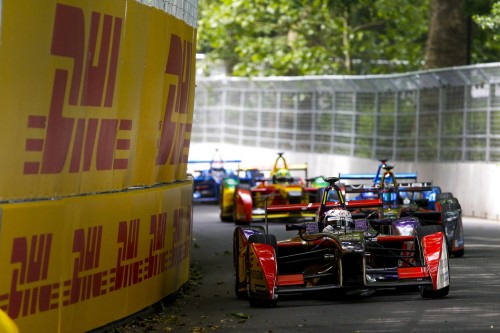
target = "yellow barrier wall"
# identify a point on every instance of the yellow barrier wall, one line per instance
(97, 98)
(78, 263)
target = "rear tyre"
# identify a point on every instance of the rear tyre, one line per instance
(238, 286)
(458, 254)
(226, 218)
(223, 218)
(428, 291)
(425, 230)
(260, 301)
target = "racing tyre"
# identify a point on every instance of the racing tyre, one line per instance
(428, 291)
(458, 254)
(239, 287)
(264, 239)
(452, 205)
(241, 294)
(226, 218)
(223, 218)
(261, 239)
(425, 230)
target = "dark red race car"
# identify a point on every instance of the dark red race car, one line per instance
(337, 252)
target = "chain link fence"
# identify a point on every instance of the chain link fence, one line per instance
(450, 115)
(186, 10)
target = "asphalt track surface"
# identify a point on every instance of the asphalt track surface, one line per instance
(208, 303)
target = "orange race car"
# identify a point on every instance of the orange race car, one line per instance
(245, 199)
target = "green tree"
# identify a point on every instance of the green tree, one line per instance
(488, 18)
(299, 37)
(485, 30)
(315, 37)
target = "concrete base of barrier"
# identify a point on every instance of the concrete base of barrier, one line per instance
(74, 264)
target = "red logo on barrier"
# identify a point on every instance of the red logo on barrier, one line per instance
(86, 282)
(30, 291)
(172, 142)
(27, 296)
(80, 143)
(128, 269)
(157, 245)
(180, 250)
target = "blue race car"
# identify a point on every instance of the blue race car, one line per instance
(421, 199)
(376, 179)
(207, 182)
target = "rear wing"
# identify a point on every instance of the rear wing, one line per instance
(373, 176)
(267, 169)
(407, 187)
(212, 161)
(413, 187)
(300, 167)
(214, 165)
(351, 205)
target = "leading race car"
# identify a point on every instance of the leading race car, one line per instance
(244, 200)
(423, 200)
(336, 252)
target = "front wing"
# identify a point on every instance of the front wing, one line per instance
(266, 283)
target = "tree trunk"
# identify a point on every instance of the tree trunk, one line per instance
(447, 37)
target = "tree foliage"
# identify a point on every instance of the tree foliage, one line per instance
(316, 37)
(484, 37)
(490, 20)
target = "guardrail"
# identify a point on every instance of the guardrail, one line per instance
(447, 115)
(186, 10)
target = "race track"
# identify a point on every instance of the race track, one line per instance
(472, 305)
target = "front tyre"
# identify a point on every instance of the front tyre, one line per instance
(458, 254)
(428, 292)
(225, 206)
(239, 287)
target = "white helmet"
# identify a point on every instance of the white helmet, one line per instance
(336, 219)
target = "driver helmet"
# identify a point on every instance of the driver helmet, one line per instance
(216, 165)
(336, 219)
(282, 176)
(319, 182)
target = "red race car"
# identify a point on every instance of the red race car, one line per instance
(247, 202)
(337, 252)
